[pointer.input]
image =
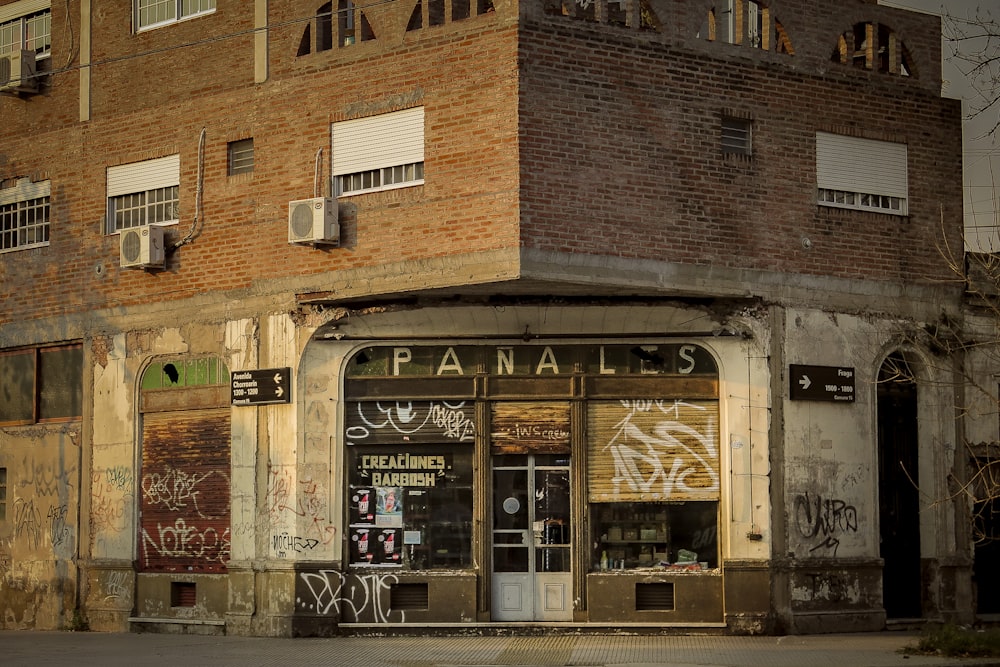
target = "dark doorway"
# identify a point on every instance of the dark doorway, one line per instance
(899, 503)
(986, 532)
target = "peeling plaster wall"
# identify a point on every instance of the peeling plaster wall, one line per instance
(38, 539)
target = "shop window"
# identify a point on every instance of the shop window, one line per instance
(410, 505)
(653, 483)
(41, 384)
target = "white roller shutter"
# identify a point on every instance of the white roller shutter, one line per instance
(141, 176)
(375, 142)
(25, 190)
(23, 8)
(866, 166)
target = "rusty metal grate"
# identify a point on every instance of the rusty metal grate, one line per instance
(408, 597)
(183, 594)
(654, 597)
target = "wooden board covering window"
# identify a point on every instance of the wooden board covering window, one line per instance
(185, 504)
(539, 427)
(652, 450)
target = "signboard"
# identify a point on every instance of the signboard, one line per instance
(821, 383)
(261, 387)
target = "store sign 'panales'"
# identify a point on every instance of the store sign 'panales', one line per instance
(404, 469)
(532, 360)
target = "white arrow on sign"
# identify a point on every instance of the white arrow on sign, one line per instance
(279, 392)
(277, 378)
(805, 382)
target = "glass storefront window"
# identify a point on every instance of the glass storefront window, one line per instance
(410, 506)
(675, 536)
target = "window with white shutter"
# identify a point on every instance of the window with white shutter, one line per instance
(378, 152)
(861, 173)
(144, 193)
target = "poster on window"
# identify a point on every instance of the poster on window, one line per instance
(363, 546)
(391, 540)
(363, 505)
(389, 507)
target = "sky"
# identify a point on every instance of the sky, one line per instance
(981, 149)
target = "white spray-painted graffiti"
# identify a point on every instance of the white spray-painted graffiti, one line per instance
(183, 541)
(409, 418)
(358, 597)
(174, 489)
(659, 452)
(118, 586)
(823, 519)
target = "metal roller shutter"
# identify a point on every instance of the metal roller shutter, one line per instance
(646, 450)
(185, 505)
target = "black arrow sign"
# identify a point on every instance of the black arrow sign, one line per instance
(262, 386)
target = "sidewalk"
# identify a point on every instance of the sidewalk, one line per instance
(41, 649)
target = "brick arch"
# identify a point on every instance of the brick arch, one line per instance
(875, 47)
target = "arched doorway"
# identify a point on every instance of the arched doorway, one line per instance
(899, 506)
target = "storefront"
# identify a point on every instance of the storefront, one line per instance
(534, 482)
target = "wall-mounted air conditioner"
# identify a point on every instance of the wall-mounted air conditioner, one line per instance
(17, 72)
(142, 248)
(313, 221)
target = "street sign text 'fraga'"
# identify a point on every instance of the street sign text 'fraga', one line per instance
(262, 386)
(821, 383)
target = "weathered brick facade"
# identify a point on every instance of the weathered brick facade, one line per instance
(575, 189)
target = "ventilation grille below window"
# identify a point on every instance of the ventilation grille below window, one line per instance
(408, 597)
(183, 594)
(654, 597)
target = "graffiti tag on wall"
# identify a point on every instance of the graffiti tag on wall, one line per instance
(659, 449)
(823, 519)
(359, 598)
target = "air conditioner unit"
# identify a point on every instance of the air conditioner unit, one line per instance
(313, 221)
(142, 248)
(17, 72)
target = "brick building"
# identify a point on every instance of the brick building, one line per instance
(472, 312)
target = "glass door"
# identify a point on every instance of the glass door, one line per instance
(532, 579)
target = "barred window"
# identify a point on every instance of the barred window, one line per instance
(24, 224)
(240, 157)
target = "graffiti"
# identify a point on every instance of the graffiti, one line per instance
(285, 543)
(118, 586)
(183, 541)
(705, 537)
(174, 489)
(44, 480)
(381, 422)
(357, 596)
(111, 497)
(657, 451)
(27, 522)
(119, 477)
(831, 587)
(816, 517)
(58, 530)
(311, 504)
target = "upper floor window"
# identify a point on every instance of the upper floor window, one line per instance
(638, 16)
(24, 215)
(239, 157)
(144, 193)
(156, 13)
(26, 26)
(379, 152)
(873, 46)
(746, 22)
(861, 173)
(41, 384)
(736, 136)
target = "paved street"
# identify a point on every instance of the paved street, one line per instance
(40, 649)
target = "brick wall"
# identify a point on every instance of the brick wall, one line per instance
(617, 131)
